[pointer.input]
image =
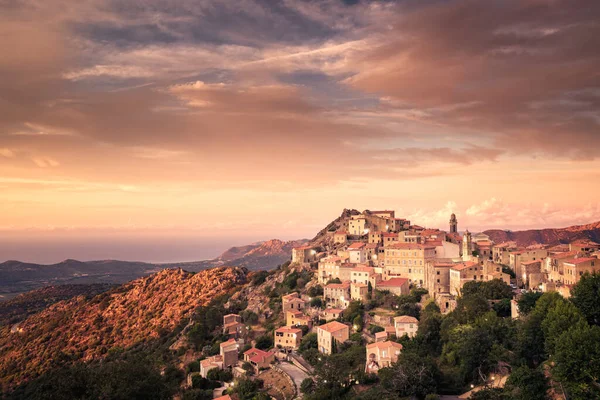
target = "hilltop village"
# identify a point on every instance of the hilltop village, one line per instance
(358, 293)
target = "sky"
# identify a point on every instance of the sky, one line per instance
(158, 131)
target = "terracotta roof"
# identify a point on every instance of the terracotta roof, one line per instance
(394, 282)
(371, 246)
(356, 246)
(405, 319)
(290, 296)
(363, 269)
(389, 234)
(228, 343)
(381, 334)
(257, 352)
(231, 315)
(410, 246)
(532, 262)
(287, 329)
(581, 260)
(333, 326)
(341, 233)
(385, 345)
(359, 284)
(464, 265)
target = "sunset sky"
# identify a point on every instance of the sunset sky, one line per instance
(187, 126)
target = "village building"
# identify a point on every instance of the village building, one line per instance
(292, 302)
(381, 336)
(375, 237)
(381, 355)
(332, 313)
(554, 265)
(362, 274)
(357, 253)
(516, 258)
(371, 252)
(575, 268)
(333, 267)
(584, 246)
(259, 358)
(359, 291)
(389, 239)
(337, 294)
(357, 225)
(297, 318)
(462, 273)
(532, 273)
(501, 252)
(233, 326)
(397, 286)
(229, 353)
(210, 363)
(304, 254)
(288, 338)
(406, 325)
(438, 276)
(330, 333)
(340, 237)
(407, 260)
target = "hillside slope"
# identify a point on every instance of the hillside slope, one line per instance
(131, 315)
(548, 236)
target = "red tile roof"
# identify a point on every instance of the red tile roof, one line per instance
(581, 260)
(356, 246)
(393, 282)
(333, 326)
(410, 246)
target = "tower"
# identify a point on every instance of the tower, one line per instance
(466, 246)
(453, 224)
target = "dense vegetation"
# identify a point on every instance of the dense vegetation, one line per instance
(555, 344)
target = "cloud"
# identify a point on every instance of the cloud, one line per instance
(45, 162)
(8, 153)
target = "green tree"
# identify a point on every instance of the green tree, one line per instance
(558, 320)
(412, 375)
(525, 383)
(264, 342)
(586, 296)
(307, 386)
(309, 341)
(527, 302)
(577, 361)
(469, 307)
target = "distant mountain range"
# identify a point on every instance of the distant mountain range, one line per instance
(18, 277)
(551, 236)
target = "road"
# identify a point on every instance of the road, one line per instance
(294, 372)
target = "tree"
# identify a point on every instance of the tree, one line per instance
(469, 307)
(577, 360)
(489, 394)
(316, 302)
(502, 308)
(559, 319)
(525, 383)
(586, 296)
(336, 280)
(468, 349)
(309, 341)
(527, 302)
(315, 291)
(307, 386)
(495, 289)
(412, 375)
(264, 342)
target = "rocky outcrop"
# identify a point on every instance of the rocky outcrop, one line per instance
(547, 236)
(133, 314)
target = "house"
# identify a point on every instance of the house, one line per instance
(371, 252)
(332, 313)
(463, 272)
(407, 260)
(337, 294)
(229, 353)
(584, 245)
(398, 286)
(516, 258)
(362, 274)
(375, 237)
(259, 358)
(232, 325)
(381, 355)
(437, 276)
(330, 333)
(288, 338)
(532, 273)
(333, 267)
(340, 237)
(357, 253)
(501, 252)
(406, 325)
(381, 336)
(389, 238)
(297, 318)
(210, 363)
(357, 225)
(576, 267)
(304, 254)
(292, 302)
(359, 291)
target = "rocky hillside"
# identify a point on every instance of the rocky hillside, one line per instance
(549, 236)
(133, 314)
(22, 306)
